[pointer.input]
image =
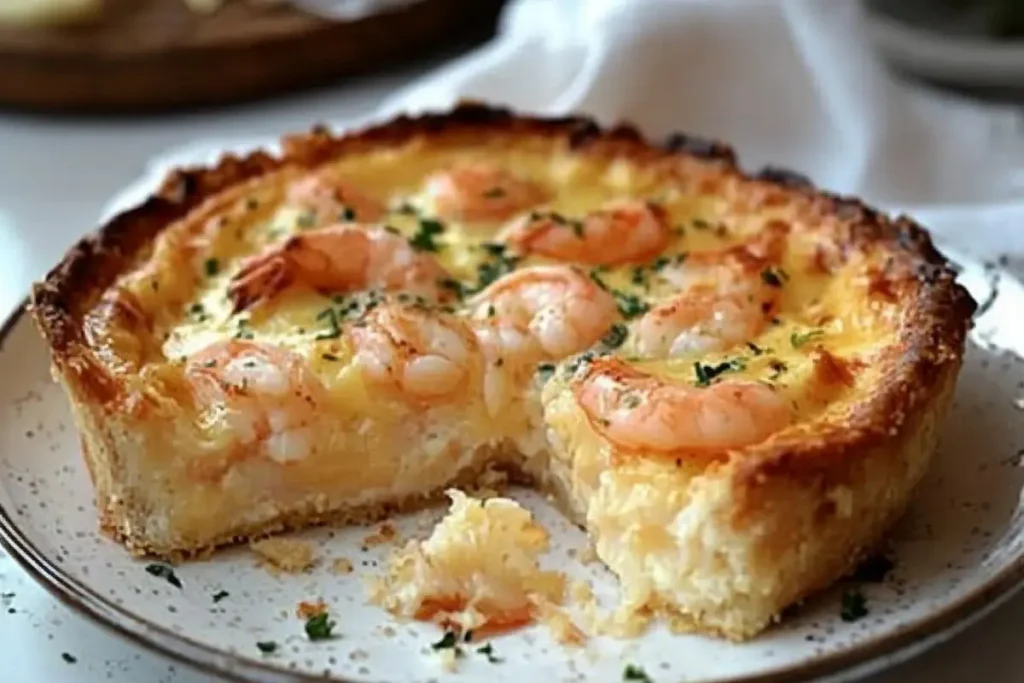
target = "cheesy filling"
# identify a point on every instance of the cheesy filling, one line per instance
(367, 444)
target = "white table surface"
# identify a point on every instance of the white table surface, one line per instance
(55, 176)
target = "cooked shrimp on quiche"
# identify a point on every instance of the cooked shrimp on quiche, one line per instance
(733, 382)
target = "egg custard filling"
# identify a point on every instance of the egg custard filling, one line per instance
(732, 382)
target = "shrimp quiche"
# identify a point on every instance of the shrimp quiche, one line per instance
(732, 381)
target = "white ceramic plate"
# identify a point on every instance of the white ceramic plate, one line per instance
(958, 552)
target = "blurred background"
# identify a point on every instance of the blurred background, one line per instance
(918, 105)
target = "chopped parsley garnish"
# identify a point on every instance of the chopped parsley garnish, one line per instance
(406, 208)
(333, 330)
(211, 266)
(423, 240)
(854, 606)
(68, 657)
(545, 370)
(491, 311)
(243, 331)
(267, 647)
(707, 373)
(220, 595)
(490, 271)
(615, 336)
(774, 277)
(595, 275)
(163, 571)
(197, 311)
(493, 248)
(632, 672)
(494, 193)
(630, 305)
(798, 339)
(754, 348)
(449, 641)
(319, 627)
(660, 263)
(778, 367)
(488, 651)
(306, 219)
(700, 224)
(347, 214)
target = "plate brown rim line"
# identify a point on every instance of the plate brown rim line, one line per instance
(151, 636)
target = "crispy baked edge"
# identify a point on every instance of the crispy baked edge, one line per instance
(932, 335)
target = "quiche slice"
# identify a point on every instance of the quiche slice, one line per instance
(733, 382)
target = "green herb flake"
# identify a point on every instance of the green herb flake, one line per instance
(319, 627)
(659, 263)
(853, 606)
(407, 209)
(706, 374)
(251, 203)
(774, 277)
(632, 672)
(700, 224)
(306, 219)
(347, 214)
(491, 311)
(165, 572)
(489, 271)
(220, 595)
(615, 336)
(333, 330)
(267, 647)
(488, 651)
(329, 356)
(243, 331)
(423, 240)
(755, 349)
(68, 657)
(211, 266)
(798, 339)
(545, 370)
(449, 641)
(778, 368)
(630, 305)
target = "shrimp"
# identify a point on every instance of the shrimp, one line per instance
(639, 411)
(268, 395)
(562, 308)
(338, 258)
(510, 358)
(624, 231)
(332, 198)
(727, 298)
(481, 192)
(423, 355)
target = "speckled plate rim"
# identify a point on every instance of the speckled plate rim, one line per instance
(871, 656)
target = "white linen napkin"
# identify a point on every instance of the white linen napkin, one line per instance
(786, 82)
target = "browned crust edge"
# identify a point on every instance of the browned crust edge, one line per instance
(931, 337)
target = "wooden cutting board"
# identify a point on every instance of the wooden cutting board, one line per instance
(153, 55)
